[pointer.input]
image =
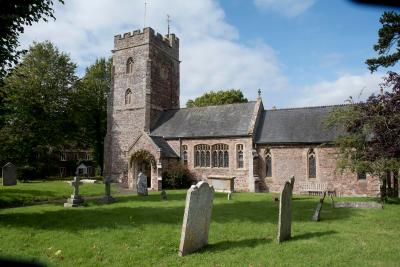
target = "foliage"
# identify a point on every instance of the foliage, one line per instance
(389, 36)
(37, 104)
(242, 233)
(90, 107)
(143, 155)
(26, 173)
(177, 176)
(371, 142)
(14, 15)
(218, 98)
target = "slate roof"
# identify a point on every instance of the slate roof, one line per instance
(166, 149)
(212, 121)
(297, 125)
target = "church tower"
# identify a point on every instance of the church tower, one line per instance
(145, 81)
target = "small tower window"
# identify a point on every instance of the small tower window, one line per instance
(129, 65)
(312, 165)
(128, 96)
(268, 164)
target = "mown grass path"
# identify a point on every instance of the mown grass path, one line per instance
(145, 231)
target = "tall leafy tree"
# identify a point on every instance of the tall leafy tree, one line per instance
(388, 46)
(37, 102)
(91, 106)
(14, 16)
(218, 98)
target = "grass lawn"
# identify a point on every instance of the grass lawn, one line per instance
(25, 193)
(145, 231)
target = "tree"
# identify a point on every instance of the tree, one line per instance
(90, 106)
(218, 98)
(37, 103)
(14, 15)
(389, 36)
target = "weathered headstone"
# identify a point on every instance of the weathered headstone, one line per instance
(365, 205)
(197, 217)
(9, 174)
(163, 195)
(285, 212)
(107, 194)
(229, 196)
(332, 201)
(317, 213)
(75, 200)
(142, 184)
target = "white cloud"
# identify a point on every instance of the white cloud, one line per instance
(211, 53)
(359, 87)
(289, 8)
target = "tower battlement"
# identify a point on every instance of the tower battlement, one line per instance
(147, 35)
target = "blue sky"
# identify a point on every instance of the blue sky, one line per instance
(299, 52)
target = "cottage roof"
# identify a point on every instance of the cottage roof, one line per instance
(296, 125)
(212, 121)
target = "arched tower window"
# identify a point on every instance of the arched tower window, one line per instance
(129, 65)
(128, 96)
(201, 155)
(268, 163)
(220, 155)
(239, 156)
(312, 165)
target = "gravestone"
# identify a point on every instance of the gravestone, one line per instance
(163, 195)
(317, 213)
(332, 201)
(142, 184)
(362, 205)
(107, 194)
(9, 174)
(229, 196)
(285, 212)
(197, 217)
(75, 200)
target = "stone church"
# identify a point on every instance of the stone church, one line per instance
(147, 130)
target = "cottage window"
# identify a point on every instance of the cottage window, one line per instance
(202, 155)
(239, 156)
(63, 156)
(220, 155)
(63, 171)
(361, 175)
(129, 65)
(312, 165)
(128, 96)
(268, 164)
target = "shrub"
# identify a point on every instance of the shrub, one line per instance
(26, 173)
(177, 176)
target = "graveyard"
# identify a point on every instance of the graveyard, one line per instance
(146, 231)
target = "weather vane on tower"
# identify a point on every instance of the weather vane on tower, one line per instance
(168, 22)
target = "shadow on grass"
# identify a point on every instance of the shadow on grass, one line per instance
(137, 211)
(312, 235)
(228, 244)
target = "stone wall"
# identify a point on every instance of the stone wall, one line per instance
(288, 161)
(242, 175)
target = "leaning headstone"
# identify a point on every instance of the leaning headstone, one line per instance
(163, 195)
(142, 184)
(229, 196)
(75, 200)
(285, 212)
(317, 213)
(365, 205)
(9, 174)
(197, 217)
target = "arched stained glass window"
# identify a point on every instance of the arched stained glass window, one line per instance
(268, 165)
(239, 156)
(312, 164)
(220, 155)
(201, 158)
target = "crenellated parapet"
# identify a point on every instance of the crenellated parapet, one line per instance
(145, 36)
